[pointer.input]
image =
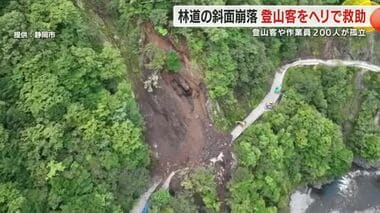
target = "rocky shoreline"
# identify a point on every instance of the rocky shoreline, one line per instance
(365, 164)
(358, 164)
(348, 193)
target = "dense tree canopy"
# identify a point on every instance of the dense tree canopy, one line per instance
(285, 149)
(71, 134)
(337, 93)
(292, 145)
(70, 130)
(329, 89)
(366, 135)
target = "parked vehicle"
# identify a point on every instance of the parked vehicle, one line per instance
(277, 90)
(269, 105)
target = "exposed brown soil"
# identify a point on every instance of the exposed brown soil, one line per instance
(177, 125)
(178, 128)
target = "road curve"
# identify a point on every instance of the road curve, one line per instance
(141, 203)
(272, 97)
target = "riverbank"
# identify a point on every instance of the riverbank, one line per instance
(358, 191)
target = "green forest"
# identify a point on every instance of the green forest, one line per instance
(72, 135)
(285, 150)
(311, 136)
(70, 130)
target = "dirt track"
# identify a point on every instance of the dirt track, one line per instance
(178, 128)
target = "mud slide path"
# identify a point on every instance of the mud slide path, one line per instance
(273, 97)
(177, 124)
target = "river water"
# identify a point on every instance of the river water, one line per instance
(356, 192)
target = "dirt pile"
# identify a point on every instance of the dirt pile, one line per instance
(178, 128)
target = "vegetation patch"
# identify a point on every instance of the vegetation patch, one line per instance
(283, 151)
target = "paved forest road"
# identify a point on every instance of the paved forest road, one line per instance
(141, 203)
(271, 97)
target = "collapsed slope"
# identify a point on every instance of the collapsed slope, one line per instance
(178, 127)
